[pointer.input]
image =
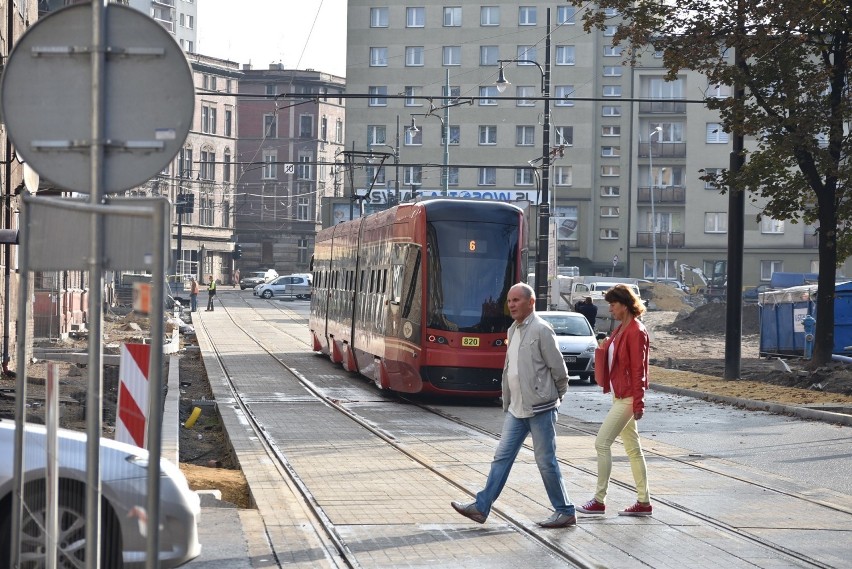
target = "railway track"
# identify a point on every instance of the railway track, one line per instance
(561, 549)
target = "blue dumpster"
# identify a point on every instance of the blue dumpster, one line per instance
(782, 312)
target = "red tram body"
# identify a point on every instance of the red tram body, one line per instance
(414, 297)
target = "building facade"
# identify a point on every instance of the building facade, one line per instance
(290, 135)
(624, 180)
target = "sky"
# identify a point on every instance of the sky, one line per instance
(261, 32)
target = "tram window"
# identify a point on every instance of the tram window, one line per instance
(372, 279)
(384, 280)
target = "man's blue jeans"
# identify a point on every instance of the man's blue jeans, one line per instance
(543, 430)
(193, 302)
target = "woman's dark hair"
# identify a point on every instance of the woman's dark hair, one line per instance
(625, 295)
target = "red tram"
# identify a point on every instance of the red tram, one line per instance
(414, 297)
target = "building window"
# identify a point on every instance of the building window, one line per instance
(563, 135)
(375, 134)
(488, 176)
(208, 119)
(612, 71)
(489, 16)
(612, 51)
(525, 91)
(270, 169)
(610, 191)
(306, 126)
(207, 168)
(609, 234)
(715, 222)
(610, 130)
(609, 171)
(413, 137)
(378, 96)
(488, 54)
(487, 134)
(190, 46)
(303, 208)
(415, 17)
(185, 163)
(226, 214)
(563, 95)
(226, 167)
(669, 131)
(271, 89)
(528, 53)
(452, 55)
(612, 90)
(414, 56)
(718, 91)
(715, 134)
(302, 249)
(412, 176)
(609, 31)
(229, 120)
(379, 17)
(488, 95)
(205, 210)
(378, 57)
(610, 151)
(565, 15)
(324, 129)
(711, 172)
(524, 177)
(563, 176)
(338, 131)
(769, 267)
(609, 211)
(527, 16)
(452, 16)
(411, 94)
(304, 169)
(611, 111)
(270, 126)
(565, 55)
(771, 226)
(453, 176)
(524, 135)
(455, 135)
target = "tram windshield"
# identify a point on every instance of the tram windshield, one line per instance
(471, 267)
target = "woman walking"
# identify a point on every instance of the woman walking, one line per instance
(625, 373)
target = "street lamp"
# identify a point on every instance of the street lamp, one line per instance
(656, 131)
(541, 261)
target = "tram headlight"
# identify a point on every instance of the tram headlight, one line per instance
(437, 339)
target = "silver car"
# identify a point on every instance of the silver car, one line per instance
(124, 487)
(577, 342)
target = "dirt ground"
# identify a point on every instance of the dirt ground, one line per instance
(687, 351)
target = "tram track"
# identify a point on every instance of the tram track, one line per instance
(520, 526)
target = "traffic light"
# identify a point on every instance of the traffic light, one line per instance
(238, 251)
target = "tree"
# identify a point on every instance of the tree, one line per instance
(794, 64)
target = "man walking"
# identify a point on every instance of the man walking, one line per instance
(211, 293)
(587, 309)
(534, 380)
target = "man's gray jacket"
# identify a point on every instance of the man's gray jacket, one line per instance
(541, 369)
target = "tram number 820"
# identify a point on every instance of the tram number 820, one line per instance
(470, 342)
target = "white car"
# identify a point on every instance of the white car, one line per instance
(577, 341)
(124, 471)
(298, 286)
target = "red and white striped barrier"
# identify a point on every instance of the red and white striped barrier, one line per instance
(132, 415)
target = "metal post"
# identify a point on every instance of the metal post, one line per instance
(445, 124)
(653, 213)
(180, 205)
(544, 205)
(94, 399)
(396, 163)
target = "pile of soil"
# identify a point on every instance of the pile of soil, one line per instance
(710, 319)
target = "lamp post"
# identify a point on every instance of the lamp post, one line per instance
(541, 262)
(657, 131)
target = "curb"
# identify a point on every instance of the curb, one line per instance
(777, 408)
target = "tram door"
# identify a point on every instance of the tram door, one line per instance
(405, 293)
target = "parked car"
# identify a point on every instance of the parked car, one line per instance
(751, 295)
(124, 471)
(577, 341)
(254, 278)
(298, 286)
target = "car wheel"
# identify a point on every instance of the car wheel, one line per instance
(267, 294)
(242, 287)
(72, 529)
(585, 377)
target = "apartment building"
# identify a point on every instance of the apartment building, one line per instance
(289, 136)
(624, 184)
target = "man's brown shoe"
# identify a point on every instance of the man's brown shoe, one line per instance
(558, 520)
(469, 511)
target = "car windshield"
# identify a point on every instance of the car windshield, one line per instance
(567, 326)
(258, 275)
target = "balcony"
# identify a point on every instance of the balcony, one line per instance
(671, 239)
(673, 107)
(662, 149)
(662, 194)
(165, 2)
